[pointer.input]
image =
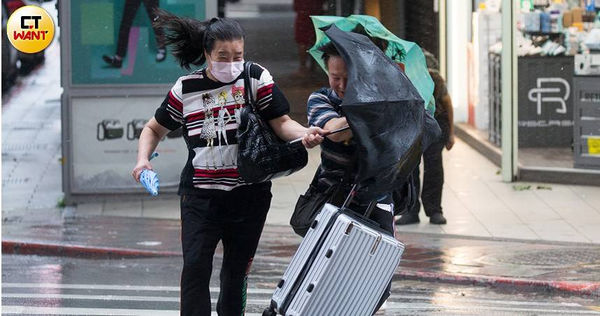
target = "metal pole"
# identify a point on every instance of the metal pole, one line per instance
(442, 34)
(509, 92)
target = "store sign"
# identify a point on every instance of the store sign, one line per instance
(545, 101)
(541, 94)
(589, 96)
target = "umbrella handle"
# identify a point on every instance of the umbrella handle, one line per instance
(297, 140)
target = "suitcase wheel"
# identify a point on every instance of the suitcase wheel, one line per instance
(269, 312)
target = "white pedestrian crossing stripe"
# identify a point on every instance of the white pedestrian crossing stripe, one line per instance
(94, 299)
(25, 310)
(83, 294)
(115, 287)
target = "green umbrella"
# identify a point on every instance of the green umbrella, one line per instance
(408, 53)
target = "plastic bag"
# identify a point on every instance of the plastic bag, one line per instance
(149, 179)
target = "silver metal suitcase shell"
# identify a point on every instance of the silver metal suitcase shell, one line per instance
(347, 275)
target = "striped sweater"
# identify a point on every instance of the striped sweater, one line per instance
(336, 157)
(208, 112)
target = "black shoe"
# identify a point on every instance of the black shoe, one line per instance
(161, 54)
(408, 219)
(437, 218)
(113, 61)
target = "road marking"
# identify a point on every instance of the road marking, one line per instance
(116, 287)
(264, 301)
(91, 311)
(447, 301)
(91, 297)
(437, 298)
(90, 286)
(420, 306)
(452, 298)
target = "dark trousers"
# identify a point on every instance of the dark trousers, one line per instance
(433, 180)
(129, 11)
(236, 218)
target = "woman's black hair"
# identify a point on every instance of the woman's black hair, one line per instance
(189, 38)
(328, 50)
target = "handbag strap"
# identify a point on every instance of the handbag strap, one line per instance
(249, 96)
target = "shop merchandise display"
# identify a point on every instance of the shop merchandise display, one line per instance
(557, 27)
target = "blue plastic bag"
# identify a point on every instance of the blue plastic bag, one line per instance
(149, 179)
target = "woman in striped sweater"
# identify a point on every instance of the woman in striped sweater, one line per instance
(216, 204)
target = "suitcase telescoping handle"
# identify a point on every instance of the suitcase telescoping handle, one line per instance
(351, 195)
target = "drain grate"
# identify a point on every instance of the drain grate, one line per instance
(555, 257)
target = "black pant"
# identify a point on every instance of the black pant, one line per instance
(433, 180)
(129, 11)
(237, 219)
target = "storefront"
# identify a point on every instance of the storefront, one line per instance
(525, 83)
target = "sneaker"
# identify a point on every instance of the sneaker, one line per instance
(161, 54)
(408, 219)
(437, 218)
(113, 61)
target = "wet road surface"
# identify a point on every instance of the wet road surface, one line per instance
(38, 285)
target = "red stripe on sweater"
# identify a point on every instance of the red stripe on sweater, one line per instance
(264, 91)
(229, 173)
(174, 102)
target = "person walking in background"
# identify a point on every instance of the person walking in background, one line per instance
(433, 175)
(216, 203)
(129, 10)
(304, 32)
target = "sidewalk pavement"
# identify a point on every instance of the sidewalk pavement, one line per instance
(476, 203)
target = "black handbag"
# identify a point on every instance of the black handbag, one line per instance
(262, 155)
(308, 206)
(310, 203)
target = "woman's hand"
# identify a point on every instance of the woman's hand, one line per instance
(313, 137)
(152, 133)
(137, 170)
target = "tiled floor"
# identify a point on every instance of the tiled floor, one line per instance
(476, 202)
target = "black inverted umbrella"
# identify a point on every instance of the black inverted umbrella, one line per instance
(384, 111)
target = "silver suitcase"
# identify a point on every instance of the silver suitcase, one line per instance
(342, 267)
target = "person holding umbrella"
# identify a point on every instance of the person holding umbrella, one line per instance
(338, 151)
(388, 124)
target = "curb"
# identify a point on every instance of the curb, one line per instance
(570, 287)
(66, 250)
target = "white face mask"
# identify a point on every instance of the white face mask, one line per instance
(225, 71)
